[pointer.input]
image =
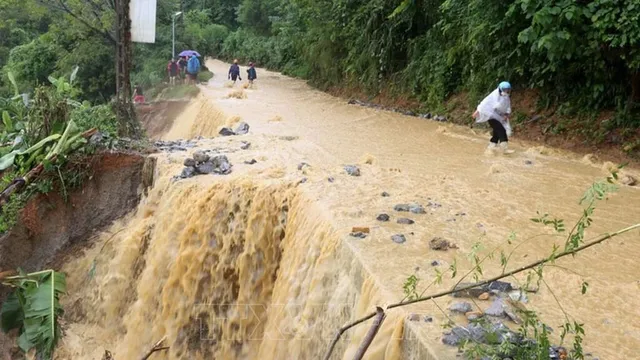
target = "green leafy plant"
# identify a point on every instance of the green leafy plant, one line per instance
(34, 309)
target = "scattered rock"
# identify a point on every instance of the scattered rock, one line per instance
(473, 292)
(250, 162)
(457, 335)
(500, 286)
(359, 235)
(200, 157)
(188, 172)
(225, 131)
(303, 180)
(496, 308)
(484, 296)
(628, 180)
(331, 179)
(417, 209)
(383, 217)
(402, 207)
(242, 128)
(519, 295)
(406, 221)
(352, 170)
(435, 263)
(528, 162)
(473, 315)
(399, 239)
(221, 164)
(245, 145)
(362, 229)
(461, 307)
(205, 168)
(189, 162)
(440, 244)
(303, 165)
(428, 319)
(414, 317)
(385, 194)
(440, 118)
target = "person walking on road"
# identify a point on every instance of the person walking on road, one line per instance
(183, 68)
(234, 72)
(193, 67)
(496, 110)
(251, 74)
(173, 69)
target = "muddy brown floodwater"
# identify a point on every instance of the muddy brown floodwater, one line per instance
(259, 264)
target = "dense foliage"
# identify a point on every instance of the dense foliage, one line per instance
(581, 55)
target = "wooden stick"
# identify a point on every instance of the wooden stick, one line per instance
(157, 347)
(371, 334)
(598, 240)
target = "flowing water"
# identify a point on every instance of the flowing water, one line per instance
(259, 264)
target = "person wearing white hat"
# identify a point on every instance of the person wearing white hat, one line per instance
(496, 110)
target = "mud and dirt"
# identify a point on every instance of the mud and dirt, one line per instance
(260, 263)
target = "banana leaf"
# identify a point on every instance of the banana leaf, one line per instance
(40, 144)
(41, 312)
(11, 315)
(6, 120)
(7, 160)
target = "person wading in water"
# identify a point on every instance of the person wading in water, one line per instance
(251, 73)
(496, 110)
(234, 72)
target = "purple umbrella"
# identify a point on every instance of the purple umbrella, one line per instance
(189, 53)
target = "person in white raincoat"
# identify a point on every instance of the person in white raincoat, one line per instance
(496, 110)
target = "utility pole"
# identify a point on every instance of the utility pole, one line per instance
(173, 34)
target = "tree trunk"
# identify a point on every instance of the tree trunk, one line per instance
(128, 124)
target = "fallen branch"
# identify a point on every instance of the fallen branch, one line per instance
(373, 331)
(157, 347)
(598, 240)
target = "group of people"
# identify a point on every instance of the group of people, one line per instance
(184, 68)
(234, 72)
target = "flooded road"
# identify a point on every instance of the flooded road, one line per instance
(476, 202)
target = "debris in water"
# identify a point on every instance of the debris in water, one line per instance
(461, 307)
(331, 179)
(245, 145)
(383, 217)
(200, 157)
(205, 168)
(435, 263)
(303, 165)
(398, 239)
(303, 180)
(189, 162)
(352, 170)
(414, 317)
(250, 162)
(362, 229)
(188, 172)
(528, 162)
(428, 319)
(414, 208)
(385, 194)
(237, 94)
(225, 131)
(288, 138)
(401, 207)
(405, 221)
(359, 235)
(367, 159)
(628, 180)
(473, 315)
(242, 129)
(496, 308)
(438, 243)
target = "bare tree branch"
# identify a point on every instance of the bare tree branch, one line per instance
(371, 334)
(60, 5)
(157, 347)
(598, 240)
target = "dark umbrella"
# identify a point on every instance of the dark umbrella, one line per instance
(189, 53)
